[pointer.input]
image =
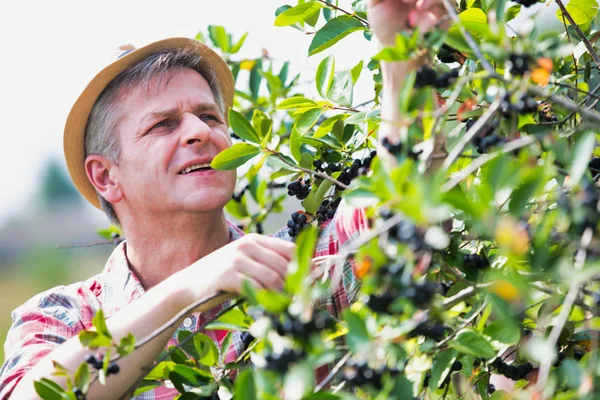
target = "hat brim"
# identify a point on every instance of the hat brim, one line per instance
(74, 135)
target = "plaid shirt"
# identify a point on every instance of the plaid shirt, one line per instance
(52, 317)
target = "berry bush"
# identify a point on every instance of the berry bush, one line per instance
(479, 275)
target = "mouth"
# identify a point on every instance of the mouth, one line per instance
(195, 168)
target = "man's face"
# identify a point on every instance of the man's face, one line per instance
(163, 130)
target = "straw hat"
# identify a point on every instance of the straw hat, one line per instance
(74, 135)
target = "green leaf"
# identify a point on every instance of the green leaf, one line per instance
(308, 119)
(48, 390)
(472, 342)
(255, 78)
(82, 377)
(188, 346)
(327, 125)
(355, 71)
(93, 339)
(245, 388)
(242, 127)
(570, 372)
(311, 203)
(234, 156)
(296, 102)
(358, 335)
(504, 330)
(300, 267)
(582, 151)
(512, 12)
(99, 322)
(341, 89)
(219, 37)
(441, 367)
(234, 319)
(298, 14)
(207, 351)
(145, 386)
(362, 197)
(273, 302)
(183, 375)
(582, 11)
(298, 381)
(126, 345)
(225, 344)
(332, 32)
(324, 76)
(236, 47)
(161, 371)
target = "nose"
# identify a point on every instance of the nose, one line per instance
(195, 132)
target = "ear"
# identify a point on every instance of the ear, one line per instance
(102, 174)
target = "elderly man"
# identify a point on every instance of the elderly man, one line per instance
(138, 144)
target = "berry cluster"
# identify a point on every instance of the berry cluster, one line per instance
(97, 363)
(577, 355)
(358, 373)
(524, 105)
(358, 167)
(301, 331)
(485, 138)
(426, 76)
(406, 232)
(526, 3)
(594, 166)
(421, 294)
(446, 54)
(514, 372)
(299, 188)
(280, 362)
(297, 223)
(475, 261)
(520, 62)
(396, 148)
(327, 209)
(246, 338)
(432, 330)
(237, 197)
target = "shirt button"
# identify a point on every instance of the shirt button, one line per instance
(187, 323)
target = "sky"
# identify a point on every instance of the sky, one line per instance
(51, 49)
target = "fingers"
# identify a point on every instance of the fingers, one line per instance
(271, 259)
(283, 248)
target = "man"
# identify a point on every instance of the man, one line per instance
(139, 138)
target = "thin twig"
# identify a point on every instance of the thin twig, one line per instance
(332, 373)
(584, 39)
(469, 39)
(565, 310)
(206, 302)
(464, 324)
(507, 148)
(345, 12)
(75, 245)
(470, 134)
(308, 171)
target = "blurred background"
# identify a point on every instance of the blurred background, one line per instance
(50, 50)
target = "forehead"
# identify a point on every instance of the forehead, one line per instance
(185, 84)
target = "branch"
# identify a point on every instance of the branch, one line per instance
(469, 39)
(511, 146)
(470, 134)
(565, 310)
(204, 304)
(345, 12)
(308, 171)
(581, 35)
(332, 373)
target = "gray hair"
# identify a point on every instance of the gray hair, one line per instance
(100, 133)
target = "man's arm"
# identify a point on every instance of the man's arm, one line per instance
(261, 260)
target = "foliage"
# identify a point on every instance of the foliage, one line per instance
(485, 264)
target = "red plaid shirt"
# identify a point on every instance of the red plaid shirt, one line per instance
(52, 317)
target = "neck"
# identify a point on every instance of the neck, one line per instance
(157, 249)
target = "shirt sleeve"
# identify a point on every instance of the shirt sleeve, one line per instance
(347, 226)
(39, 326)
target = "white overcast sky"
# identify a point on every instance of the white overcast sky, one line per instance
(50, 49)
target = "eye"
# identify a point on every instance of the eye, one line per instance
(161, 124)
(209, 117)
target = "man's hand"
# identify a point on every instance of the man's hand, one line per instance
(387, 17)
(261, 260)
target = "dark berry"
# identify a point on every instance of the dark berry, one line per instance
(113, 368)
(491, 388)
(295, 216)
(457, 366)
(425, 77)
(246, 338)
(301, 219)
(78, 393)
(520, 62)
